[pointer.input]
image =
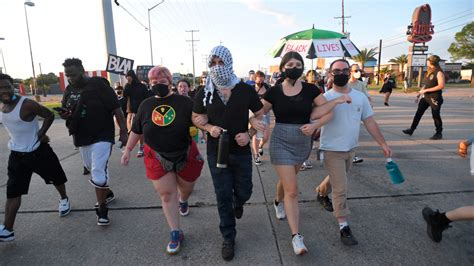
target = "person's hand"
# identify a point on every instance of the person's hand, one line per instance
(462, 149)
(422, 91)
(215, 131)
(43, 138)
(387, 152)
(259, 125)
(242, 139)
(345, 98)
(200, 120)
(125, 157)
(123, 138)
(308, 129)
(65, 114)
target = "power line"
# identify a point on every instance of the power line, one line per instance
(117, 3)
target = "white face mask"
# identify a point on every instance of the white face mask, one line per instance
(357, 75)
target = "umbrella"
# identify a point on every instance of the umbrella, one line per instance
(315, 43)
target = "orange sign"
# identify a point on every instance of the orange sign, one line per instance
(420, 29)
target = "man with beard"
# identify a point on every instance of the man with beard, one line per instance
(30, 153)
(93, 130)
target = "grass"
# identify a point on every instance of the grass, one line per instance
(50, 106)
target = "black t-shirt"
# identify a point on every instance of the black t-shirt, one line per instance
(431, 81)
(165, 122)
(137, 92)
(261, 94)
(234, 116)
(71, 97)
(292, 109)
(93, 114)
(123, 104)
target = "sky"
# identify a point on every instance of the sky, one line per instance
(61, 29)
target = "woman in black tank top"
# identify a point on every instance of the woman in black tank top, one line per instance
(430, 96)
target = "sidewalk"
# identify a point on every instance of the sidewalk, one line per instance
(386, 219)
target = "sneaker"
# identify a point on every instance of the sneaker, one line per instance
(279, 210)
(386, 104)
(308, 164)
(257, 161)
(436, 136)
(325, 202)
(260, 152)
(109, 199)
(6, 235)
(183, 208)
(102, 216)
(408, 131)
(86, 171)
(434, 227)
(64, 207)
(140, 153)
(174, 245)
(347, 238)
(238, 211)
(357, 159)
(298, 245)
(228, 250)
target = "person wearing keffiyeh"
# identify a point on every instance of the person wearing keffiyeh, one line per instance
(224, 103)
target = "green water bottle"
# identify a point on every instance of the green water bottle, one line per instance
(395, 174)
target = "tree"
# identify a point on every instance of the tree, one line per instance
(43, 81)
(364, 56)
(401, 60)
(463, 47)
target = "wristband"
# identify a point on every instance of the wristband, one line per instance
(128, 148)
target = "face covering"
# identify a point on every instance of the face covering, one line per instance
(293, 73)
(341, 80)
(12, 99)
(160, 89)
(357, 75)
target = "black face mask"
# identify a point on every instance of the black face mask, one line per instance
(293, 73)
(160, 89)
(341, 80)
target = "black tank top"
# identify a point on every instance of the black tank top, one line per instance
(432, 81)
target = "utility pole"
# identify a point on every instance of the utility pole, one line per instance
(378, 62)
(192, 50)
(343, 18)
(204, 59)
(108, 23)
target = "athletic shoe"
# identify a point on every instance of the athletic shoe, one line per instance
(408, 131)
(436, 136)
(228, 250)
(434, 226)
(238, 211)
(279, 210)
(183, 208)
(64, 207)
(257, 161)
(357, 159)
(86, 171)
(308, 164)
(174, 245)
(102, 216)
(346, 237)
(325, 202)
(6, 235)
(140, 153)
(298, 245)
(260, 152)
(386, 104)
(109, 199)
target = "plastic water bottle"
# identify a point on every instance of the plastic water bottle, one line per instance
(395, 174)
(260, 133)
(223, 150)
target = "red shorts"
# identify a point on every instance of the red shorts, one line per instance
(190, 172)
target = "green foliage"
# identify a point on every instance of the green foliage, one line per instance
(364, 56)
(463, 47)
(401, 60)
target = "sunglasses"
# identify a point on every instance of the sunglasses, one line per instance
(337, 71)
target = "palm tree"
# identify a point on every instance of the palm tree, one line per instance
(364, 56)
(401, 60)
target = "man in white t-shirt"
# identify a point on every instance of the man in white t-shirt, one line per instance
(340, 136)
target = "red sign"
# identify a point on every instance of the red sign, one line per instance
(420, 29)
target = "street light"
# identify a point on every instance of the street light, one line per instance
(29, 3)
(3, 59)
(149, 28)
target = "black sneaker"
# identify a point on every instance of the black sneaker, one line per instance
(109, 199)
(436, 136)
(386, 104)
(357, 159)
(408, 131)
(325, 202)
(260, 152)
(102, 216)
(86, 171)
(257, 161)
(228, 250)
(434, 227)
(347, 238)
(238, 211)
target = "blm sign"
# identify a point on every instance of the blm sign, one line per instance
(119, 65)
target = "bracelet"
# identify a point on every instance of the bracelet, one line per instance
(128, 148)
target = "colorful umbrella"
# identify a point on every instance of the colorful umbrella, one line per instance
(315, 43)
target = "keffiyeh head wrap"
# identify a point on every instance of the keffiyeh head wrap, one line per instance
(220, 76)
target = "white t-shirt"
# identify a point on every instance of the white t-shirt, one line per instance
(342, 132)
(360, 86)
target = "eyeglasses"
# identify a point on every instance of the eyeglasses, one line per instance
(337, 71)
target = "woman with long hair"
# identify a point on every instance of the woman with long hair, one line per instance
(430, 96)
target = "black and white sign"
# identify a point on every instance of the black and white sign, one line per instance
(418, 60)
(142, 72)
(417, 48)
(119, 65)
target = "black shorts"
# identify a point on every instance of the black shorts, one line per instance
(21, 166)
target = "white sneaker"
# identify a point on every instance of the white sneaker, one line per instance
(64, 207)
(279, 211)
(6, 235)
(298, 245)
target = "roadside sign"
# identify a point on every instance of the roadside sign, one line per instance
(417, 48)
(418, 60)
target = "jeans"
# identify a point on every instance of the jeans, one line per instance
(435, 104)
(233, 187)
